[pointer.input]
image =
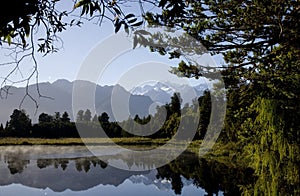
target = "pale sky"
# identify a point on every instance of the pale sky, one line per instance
(78, 42)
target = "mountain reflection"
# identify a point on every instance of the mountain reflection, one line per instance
(82, 173)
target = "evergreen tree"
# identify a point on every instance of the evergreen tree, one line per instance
(57, 117)
(104, 120)
(1, 130)
(176, 103)
(205, 111)
(95, 119)
(45, 118)
(80, 116)
(127, 127)
(6, 125)
(65, 117)
(19, 124)
(87, 116)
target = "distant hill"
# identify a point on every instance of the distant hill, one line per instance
(73, 168)
(60, 99)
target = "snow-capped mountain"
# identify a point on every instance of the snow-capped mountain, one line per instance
(60, 93)
(162, 92)
(161, 184)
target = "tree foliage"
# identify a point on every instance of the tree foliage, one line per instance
(259, 41)
(250, 34)
(19, 124)
(24, 16)
(65, 117)
(163, 124)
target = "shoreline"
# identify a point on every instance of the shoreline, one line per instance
(7, 141)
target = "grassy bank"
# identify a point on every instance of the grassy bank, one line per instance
(40, 141)
(89, 141)
(76, 141)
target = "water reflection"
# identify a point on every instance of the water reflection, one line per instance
(85, 172)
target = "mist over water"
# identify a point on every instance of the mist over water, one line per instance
(69, 170)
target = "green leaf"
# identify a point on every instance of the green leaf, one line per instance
(82, 2)
(8, 38)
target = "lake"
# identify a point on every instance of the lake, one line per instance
(74, 170)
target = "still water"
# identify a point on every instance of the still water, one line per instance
(73, 170)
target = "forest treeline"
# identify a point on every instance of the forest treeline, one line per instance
(60, 126)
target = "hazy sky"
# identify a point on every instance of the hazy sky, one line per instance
(78, 42)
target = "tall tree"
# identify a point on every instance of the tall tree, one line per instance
(19, 124)
(259, 41)
(95, 119)
(57, 116)
(176, 103)
(65, 117)
(87, 116)
(205, 111)
(104, 120)
(45, 118)
(249, 34)
(79, 117)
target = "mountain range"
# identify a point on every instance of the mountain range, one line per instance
(57, 97)
(163, 91)
(59, 180)
(72, 167)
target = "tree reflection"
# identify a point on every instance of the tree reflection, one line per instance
(210, 175)
(16, 165)
(81, 164)
(207, 174)
(43, 163)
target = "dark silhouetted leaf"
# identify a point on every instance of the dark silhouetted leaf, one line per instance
(117, 11)
(126, 28)
(129, 16)
(132, 20)
(117, 27)
(143, 32)
(81, 3)
(138, 24)
(135, 41)
(162, 3)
